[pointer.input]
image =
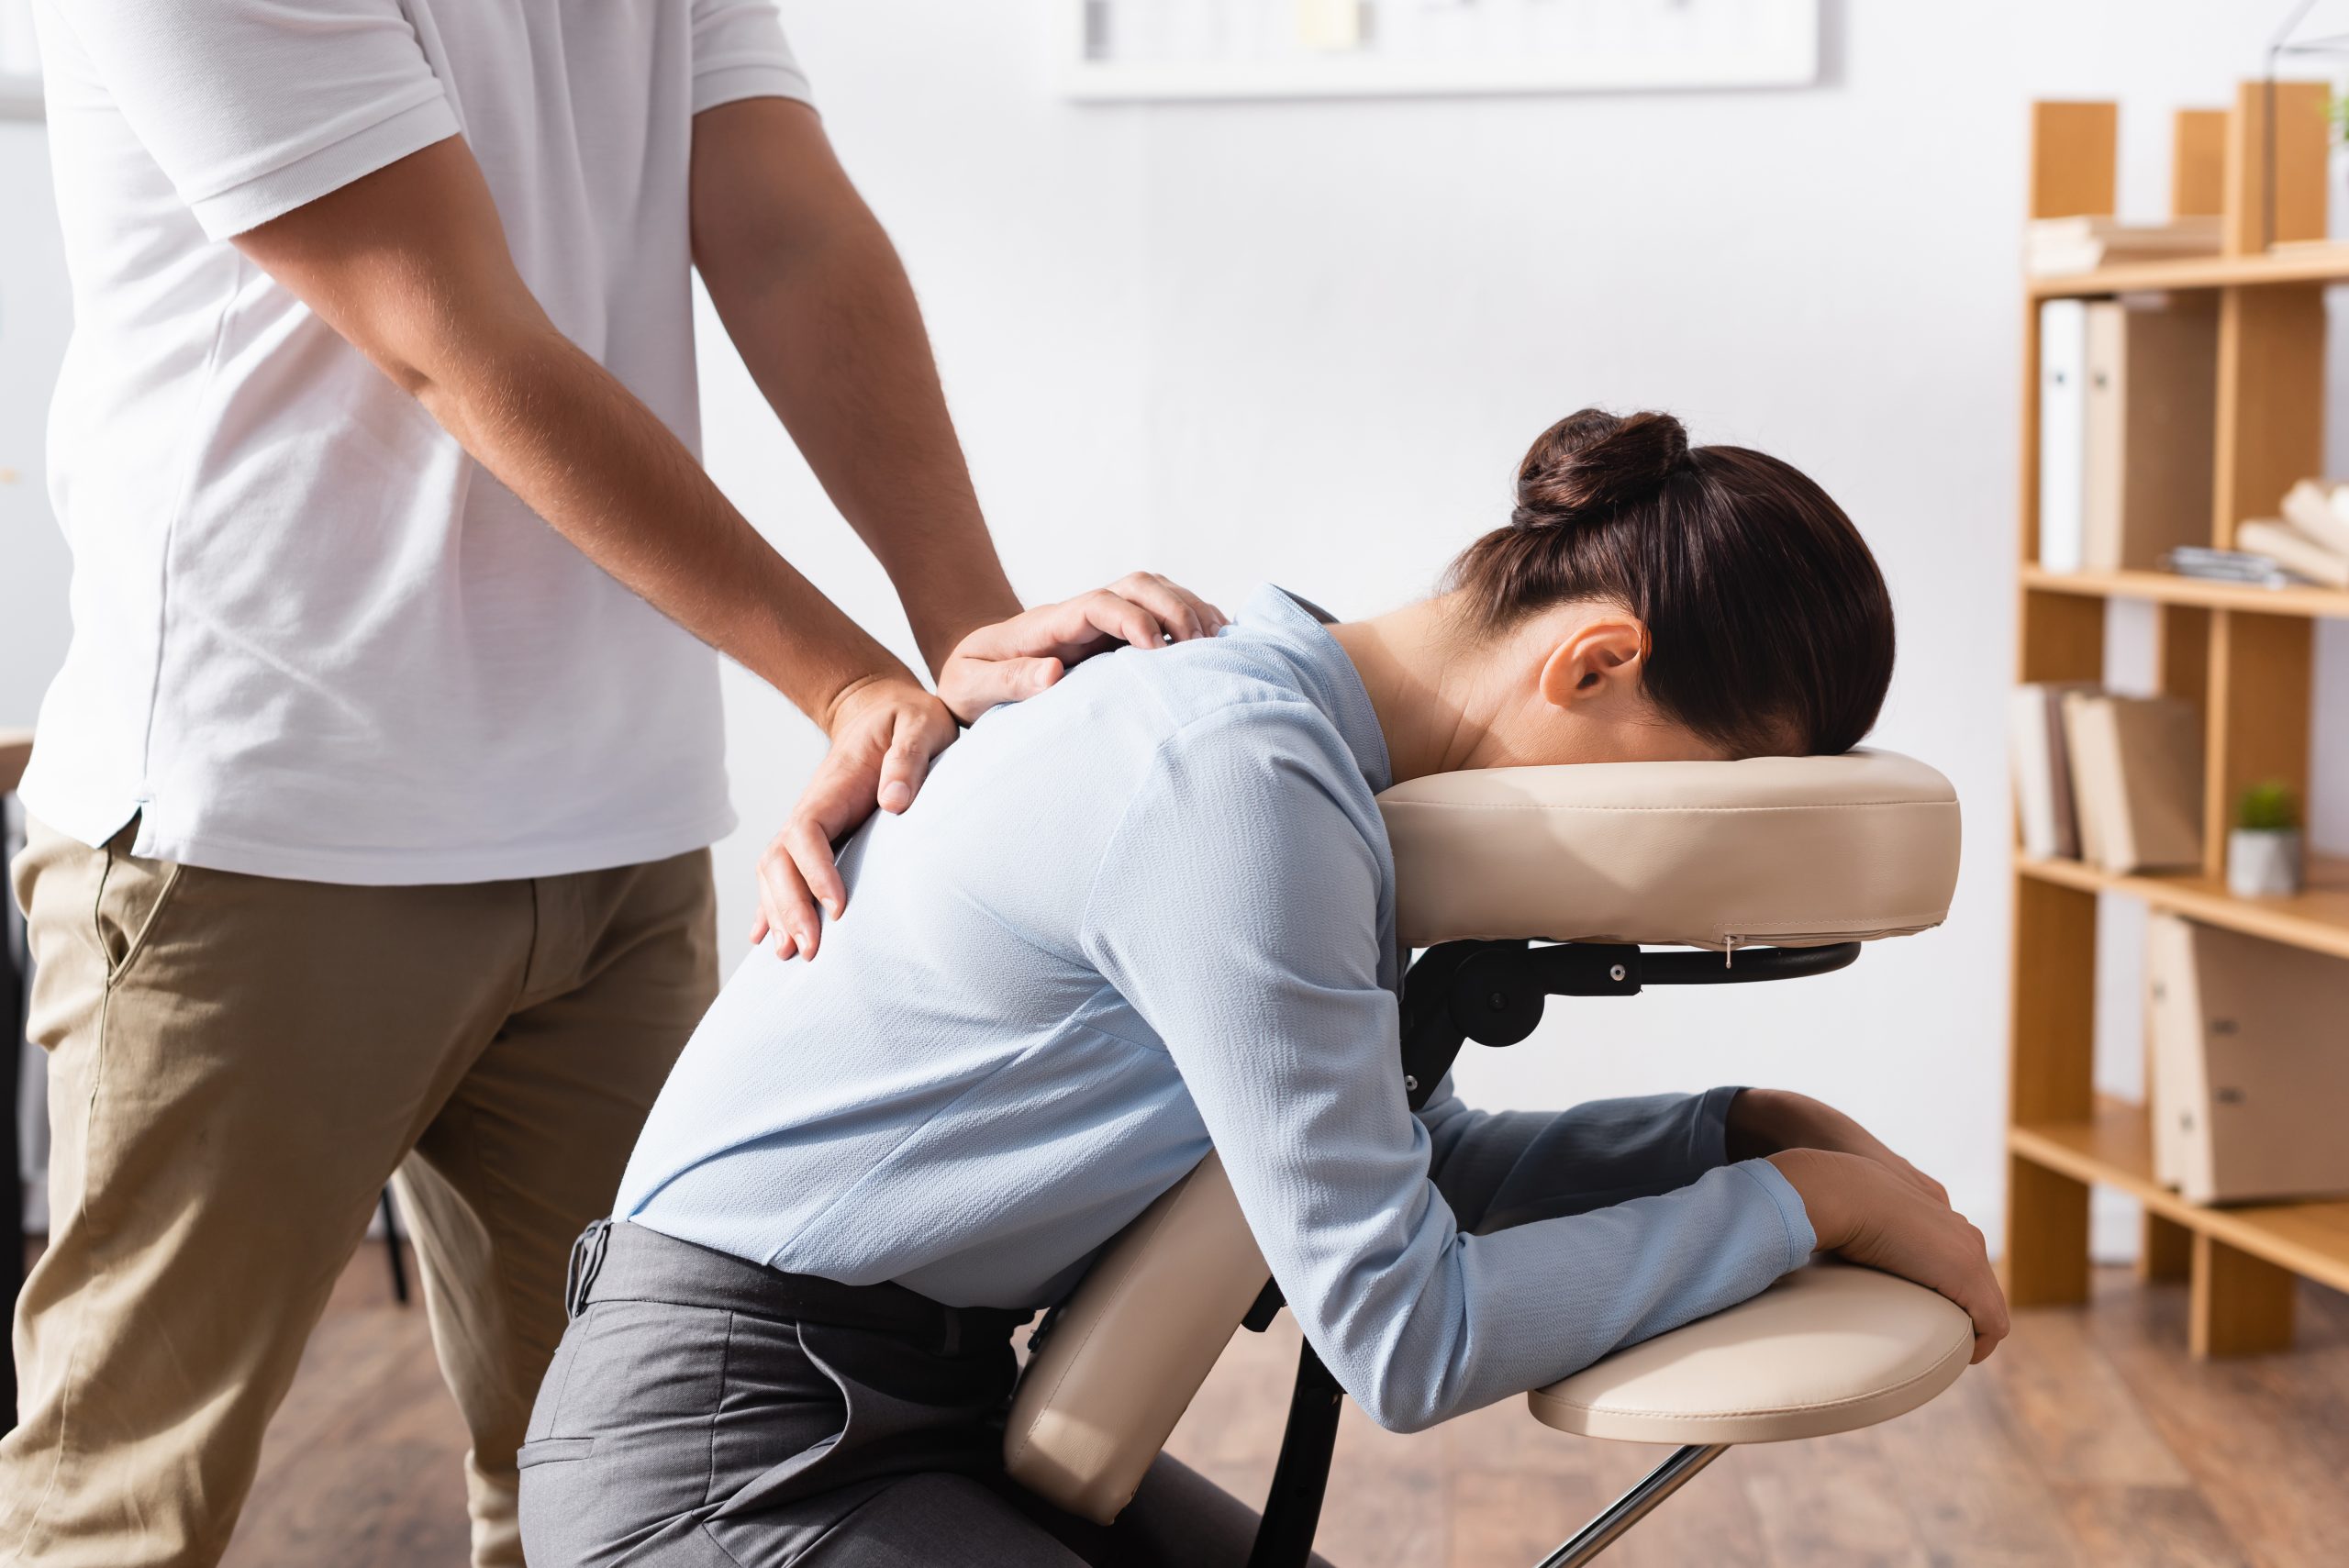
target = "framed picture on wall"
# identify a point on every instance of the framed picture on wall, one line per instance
(19, 62)
(1301, 48)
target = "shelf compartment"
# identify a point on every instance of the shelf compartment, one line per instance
(2168, 588)
(2285, 264)
(2316, 919)
(2115, 1149)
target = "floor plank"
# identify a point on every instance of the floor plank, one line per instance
(2147, 1527)
(362, 1466)
(2264, 1439)
(1970, 1488)
(2075, 1416)
(2089, 1440)
(1835, 1502)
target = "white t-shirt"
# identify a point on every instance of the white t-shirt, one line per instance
(312, 637)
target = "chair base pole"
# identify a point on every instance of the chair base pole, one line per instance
(1633, 1505)
(1293, 1508)
(392, 1247)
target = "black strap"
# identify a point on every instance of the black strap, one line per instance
(586, 1263)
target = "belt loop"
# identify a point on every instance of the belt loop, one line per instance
(586, 1263)
(952, 1334)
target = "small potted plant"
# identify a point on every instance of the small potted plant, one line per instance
(2264, 849)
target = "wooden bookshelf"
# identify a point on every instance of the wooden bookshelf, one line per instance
(2168, 588)
(2243, 655)
(2309, 264)
(2114, 1147)
(2317, 918)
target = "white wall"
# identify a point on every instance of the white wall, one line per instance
(34, 320)
(1306, 341)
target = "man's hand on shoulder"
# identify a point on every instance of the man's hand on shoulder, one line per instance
(885, 732)
(1020, 657)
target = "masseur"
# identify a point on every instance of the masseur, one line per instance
(373, 801)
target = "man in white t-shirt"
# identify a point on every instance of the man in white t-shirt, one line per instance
(373, 802)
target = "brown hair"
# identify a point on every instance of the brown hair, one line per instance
(1769, 629)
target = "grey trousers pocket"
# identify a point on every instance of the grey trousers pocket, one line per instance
(554, 1451)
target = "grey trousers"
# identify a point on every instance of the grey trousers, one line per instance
(695, 1415)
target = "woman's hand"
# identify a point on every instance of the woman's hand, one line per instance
(1018, 657)
(884, 731)
(1863, 1211)
(1763, 1122)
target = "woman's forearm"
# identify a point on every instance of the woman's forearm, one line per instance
(1506, 1168)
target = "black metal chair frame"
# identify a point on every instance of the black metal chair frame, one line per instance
(1494, 992)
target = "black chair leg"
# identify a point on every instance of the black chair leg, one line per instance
(391, 1250)
(1293, 1508)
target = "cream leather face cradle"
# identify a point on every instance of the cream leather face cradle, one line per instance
(1788, 852)
(1770, 852)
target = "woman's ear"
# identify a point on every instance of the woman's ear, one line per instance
(1598, 660)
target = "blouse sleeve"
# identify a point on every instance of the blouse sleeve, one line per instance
(1236, 910)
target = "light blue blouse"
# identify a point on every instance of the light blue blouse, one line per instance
(1151, 908)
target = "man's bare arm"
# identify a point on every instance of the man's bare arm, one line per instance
(816, 302)
(411, 265)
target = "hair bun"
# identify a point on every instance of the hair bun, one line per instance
(1591, 464)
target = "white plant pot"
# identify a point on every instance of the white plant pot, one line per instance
(2264, 862)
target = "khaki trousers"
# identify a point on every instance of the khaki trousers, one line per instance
(236, 1065)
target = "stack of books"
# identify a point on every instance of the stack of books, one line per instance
(2227, 566)
(2059, 247)
(2114, 781)
(2310, 539)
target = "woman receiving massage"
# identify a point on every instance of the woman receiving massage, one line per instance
(1153, 909)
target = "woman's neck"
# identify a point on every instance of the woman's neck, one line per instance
(1423, 688)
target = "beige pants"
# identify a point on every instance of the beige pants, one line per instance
(236, 1065)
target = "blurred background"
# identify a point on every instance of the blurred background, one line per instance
(1304, 339)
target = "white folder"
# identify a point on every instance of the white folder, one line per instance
(2063, 433)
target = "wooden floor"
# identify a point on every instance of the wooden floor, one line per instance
(2089, 1439)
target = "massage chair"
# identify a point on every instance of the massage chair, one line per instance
(1513, 886)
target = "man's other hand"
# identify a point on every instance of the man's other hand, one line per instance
(884, 732)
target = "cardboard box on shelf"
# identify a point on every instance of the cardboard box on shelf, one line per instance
(2152, 407)
(2250, 1083)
